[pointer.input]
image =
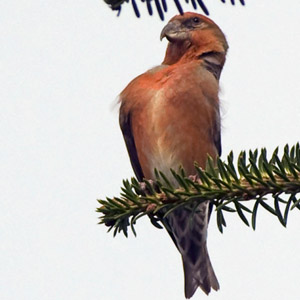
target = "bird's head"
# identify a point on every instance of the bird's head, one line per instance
(191, 35)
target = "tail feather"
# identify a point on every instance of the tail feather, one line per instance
(188, 229)
(202, 275)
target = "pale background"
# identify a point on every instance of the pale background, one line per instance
(63, 63)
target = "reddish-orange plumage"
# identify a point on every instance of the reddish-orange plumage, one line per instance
(169, 113)
(170, 118)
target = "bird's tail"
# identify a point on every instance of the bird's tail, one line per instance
(200, 274)
(188, 229)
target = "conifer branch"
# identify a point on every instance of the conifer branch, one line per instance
(161, 6)
(226, 184)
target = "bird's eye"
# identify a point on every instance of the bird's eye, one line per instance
(196, 20)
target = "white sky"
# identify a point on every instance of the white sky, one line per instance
(63, 63)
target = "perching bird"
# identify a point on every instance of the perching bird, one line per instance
(170, 117)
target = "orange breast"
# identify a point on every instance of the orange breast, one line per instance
(173, 118)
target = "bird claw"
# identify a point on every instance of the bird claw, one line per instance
(143, 185)
(193, 178)
(144, 188)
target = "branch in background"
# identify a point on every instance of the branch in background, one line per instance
(161, 6)
(227, 185)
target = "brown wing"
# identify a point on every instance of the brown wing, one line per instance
(214, 64)
(125, 124)
(217, 139)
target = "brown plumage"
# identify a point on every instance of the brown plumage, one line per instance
(169, 117)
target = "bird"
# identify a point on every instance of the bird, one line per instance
(170, 119)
